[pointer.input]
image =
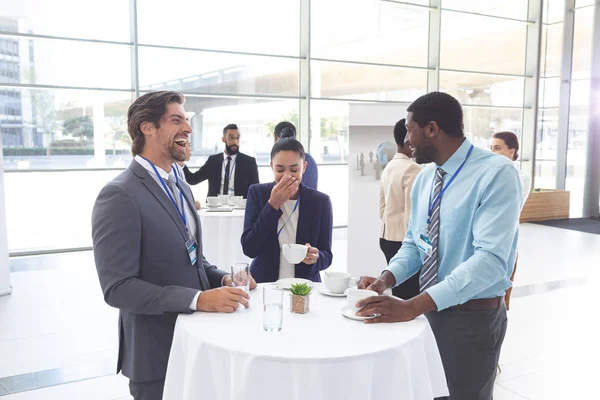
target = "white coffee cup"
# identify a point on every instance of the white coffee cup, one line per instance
(235, 199)
(224, 199)
(294, 253)
(241, 203)
(337, 282)
(356, 295)
(212, 201)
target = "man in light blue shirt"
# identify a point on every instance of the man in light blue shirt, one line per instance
(462, 237)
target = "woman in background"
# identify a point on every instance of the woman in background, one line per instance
(286, 211)
(507, 144)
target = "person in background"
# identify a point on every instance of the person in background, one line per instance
(180, 164)
(394, 206)
(507, 144)
(230, 172)
(462, 237)
(148, 245)
(310, 178)
(287, 211)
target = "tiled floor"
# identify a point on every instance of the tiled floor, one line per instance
(55, 327)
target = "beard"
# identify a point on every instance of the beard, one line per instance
(233, 150)
(177, 155)
(424, 155)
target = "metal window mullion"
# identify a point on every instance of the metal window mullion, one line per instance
(562, 144)
(508, 19)
(304, 133)
(135, 80)
(434, 46)
(591, 188)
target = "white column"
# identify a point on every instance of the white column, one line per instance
(5, 287)
(564, 104)
(532, 84)
(591, 191)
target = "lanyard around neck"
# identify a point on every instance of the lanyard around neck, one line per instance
(168, 191)
(439, 195)
(293, 211)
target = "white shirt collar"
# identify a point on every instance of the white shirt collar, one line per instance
(164, 174)
(401, 156)
(225, 155)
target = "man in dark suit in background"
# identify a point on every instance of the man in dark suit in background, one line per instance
(230, 172)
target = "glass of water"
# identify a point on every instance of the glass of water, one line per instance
(272, 308)
(240, 276)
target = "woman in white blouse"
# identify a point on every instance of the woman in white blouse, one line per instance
(286, 211)
(507, 144)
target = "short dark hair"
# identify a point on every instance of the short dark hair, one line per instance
(229, 127)
(441, 108)
(511, 140)
(149, 107)
(285, 129)
(400, 132)
(288, 144)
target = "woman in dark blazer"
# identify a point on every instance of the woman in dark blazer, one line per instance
(285, 211)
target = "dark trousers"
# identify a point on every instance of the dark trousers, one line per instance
(409, 288)
(469, 342)
(152, 390)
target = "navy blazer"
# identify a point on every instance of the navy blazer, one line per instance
(260, 242)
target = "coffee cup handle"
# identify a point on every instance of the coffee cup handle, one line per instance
(353, 282)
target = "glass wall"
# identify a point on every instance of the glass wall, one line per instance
(69, 69)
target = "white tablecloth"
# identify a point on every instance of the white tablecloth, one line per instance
(320, 355)
(221, 235)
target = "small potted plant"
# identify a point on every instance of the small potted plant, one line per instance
(300, 297)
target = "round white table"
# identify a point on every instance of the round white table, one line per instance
(221, 237)
(320, 355)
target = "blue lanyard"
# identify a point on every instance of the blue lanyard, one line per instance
(439, 195)
(293, 211)
(168, 191)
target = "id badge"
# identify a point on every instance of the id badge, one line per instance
(425, 244)
(191, 249)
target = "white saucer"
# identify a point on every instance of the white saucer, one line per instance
(286, 283)
(348, 313)
(220, 209)
(325, 290)
(239, 208)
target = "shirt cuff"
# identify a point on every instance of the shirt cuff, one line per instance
(399, 279)
(223, 279)
(443, 295)
(194, 302)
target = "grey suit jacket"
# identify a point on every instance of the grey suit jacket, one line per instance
(144, 268)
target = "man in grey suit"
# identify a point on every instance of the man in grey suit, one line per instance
(148, 245)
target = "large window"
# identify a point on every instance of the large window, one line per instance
(69, 69)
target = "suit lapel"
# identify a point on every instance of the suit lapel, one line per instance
(161, 196)
(220, 173)
(303, 220)
(239, 166)
(189, 199)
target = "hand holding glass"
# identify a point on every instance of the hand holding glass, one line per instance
(240, 276)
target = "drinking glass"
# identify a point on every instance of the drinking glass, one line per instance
(240, 276)
(272, 308)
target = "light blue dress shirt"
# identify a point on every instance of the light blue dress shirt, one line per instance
(479, 216)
